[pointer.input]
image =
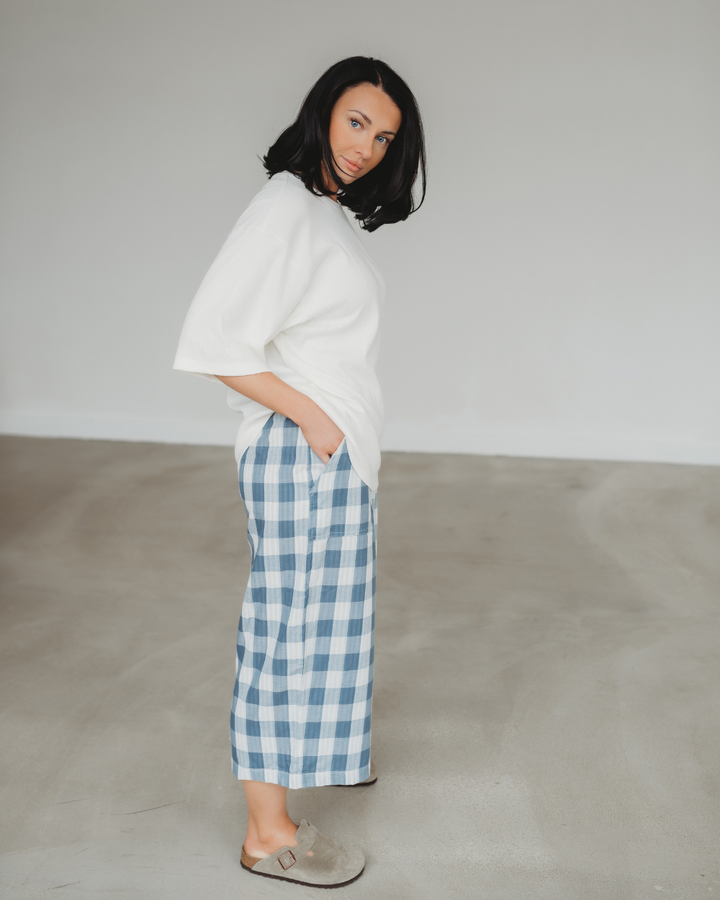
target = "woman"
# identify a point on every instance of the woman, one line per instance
(287, 317)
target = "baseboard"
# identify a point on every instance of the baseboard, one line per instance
(440, 435)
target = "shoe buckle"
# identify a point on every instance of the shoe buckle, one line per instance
(287, 859)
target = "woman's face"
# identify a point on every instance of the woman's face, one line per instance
(363, 123)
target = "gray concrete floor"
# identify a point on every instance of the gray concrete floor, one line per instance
(547, 679)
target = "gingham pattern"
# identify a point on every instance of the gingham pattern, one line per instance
(303, 691)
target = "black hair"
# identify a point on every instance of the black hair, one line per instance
(385, 194)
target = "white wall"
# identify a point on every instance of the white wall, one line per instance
(557, 295)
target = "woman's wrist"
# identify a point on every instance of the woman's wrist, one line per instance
(306, 411)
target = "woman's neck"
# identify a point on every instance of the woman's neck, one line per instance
(329, 182)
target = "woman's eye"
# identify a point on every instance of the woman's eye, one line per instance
(383, 139)
(354, 122)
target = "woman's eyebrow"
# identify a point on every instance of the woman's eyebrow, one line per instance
(369, 121)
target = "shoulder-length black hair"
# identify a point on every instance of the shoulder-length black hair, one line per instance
(385, 194)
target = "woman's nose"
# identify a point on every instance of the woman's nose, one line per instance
(364, 148)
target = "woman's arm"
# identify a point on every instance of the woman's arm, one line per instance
(321, 433)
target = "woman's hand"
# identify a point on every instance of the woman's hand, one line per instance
(321, 433)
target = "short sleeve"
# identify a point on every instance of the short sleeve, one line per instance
(255, 282)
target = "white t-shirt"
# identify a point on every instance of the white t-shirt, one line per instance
(294, 292)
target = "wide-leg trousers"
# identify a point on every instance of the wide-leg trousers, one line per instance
(301, 712)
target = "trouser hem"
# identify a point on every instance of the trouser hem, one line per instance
(302, 780)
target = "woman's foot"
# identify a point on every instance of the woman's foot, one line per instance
(259, 846)
(282, 837)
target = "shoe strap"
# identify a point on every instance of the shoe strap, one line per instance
(286, 857)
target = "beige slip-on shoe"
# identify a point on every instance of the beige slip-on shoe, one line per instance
(330, 866)
(371, 779)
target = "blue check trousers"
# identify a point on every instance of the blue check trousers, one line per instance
(304, 673)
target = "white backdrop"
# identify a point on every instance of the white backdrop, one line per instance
(557, 295)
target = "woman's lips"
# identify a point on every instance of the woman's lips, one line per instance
(353, 167)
